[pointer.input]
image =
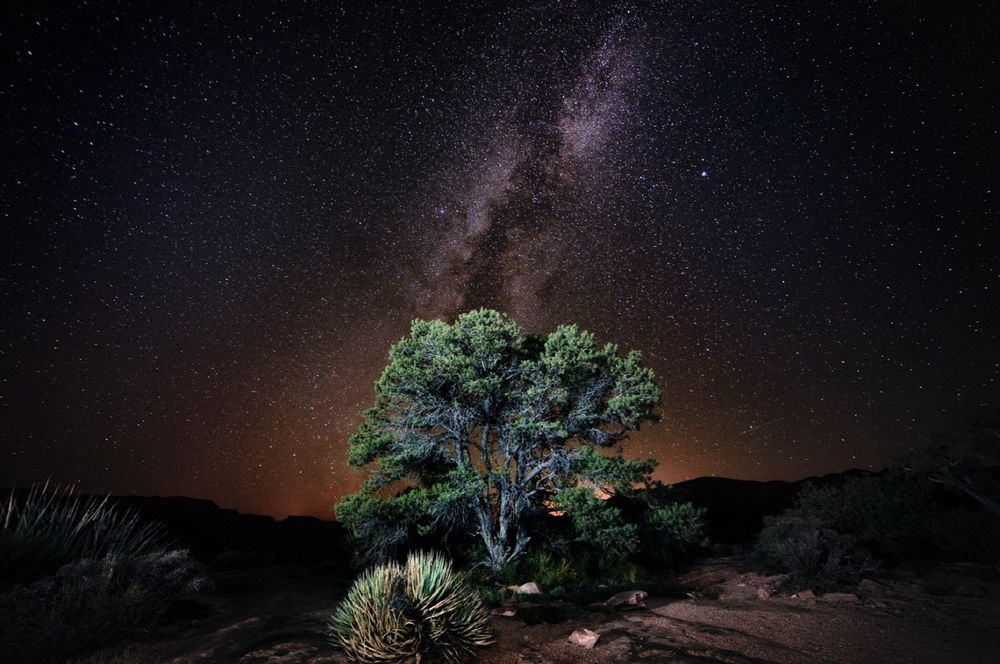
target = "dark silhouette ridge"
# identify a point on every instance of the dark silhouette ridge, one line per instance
(736, 509)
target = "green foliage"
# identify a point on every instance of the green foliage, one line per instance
(486, 423)
(552, 571)
(672, 531)
(572, 570)
(420, 611)
(598, 524)
(84, 572)
(383, 526)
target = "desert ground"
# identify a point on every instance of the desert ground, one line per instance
(707, 613)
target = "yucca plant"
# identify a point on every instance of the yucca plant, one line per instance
(44, 530)
(423, 611)
(81, 569)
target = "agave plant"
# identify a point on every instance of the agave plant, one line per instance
(423, 611)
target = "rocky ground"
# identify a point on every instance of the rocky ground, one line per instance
(709, 613)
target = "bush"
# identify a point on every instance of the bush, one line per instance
(550, 570)
(883, 513)
(84, 572)
(812, 556)
(88, 603)
(422, 610)
(833, 533)
(44, 531)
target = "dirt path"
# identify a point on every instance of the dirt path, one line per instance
(716, 615)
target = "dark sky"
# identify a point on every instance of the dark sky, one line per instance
(218, 216)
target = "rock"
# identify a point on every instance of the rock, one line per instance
(504, 611)
(610, 627)
(620, 646)
(839, 597)
(805, 594)
(763, 592)
(529, 588)
(627, 598)
(584, 637)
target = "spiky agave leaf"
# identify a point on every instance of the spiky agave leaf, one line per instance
(423, 611)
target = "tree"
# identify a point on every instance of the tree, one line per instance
(484, 425)
(965, 462)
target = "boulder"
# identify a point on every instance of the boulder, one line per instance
(529, 588)
(805, 594)
(839, 597)
(627, 598)
(584, 637)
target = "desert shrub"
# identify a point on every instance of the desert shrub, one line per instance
(421, 610)
(547, 568)
(82, 571)
(884, 513)
(44, 531)
(812, 556)
(88, 603)
(836, 533)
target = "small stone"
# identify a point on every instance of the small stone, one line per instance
(504, 611)
(805, 594)
(584, 637)
(529, 588)
(763, 593)
(627, 598)
(839, 597)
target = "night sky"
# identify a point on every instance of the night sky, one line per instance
(218, 217)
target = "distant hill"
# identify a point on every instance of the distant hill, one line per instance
(736, 509)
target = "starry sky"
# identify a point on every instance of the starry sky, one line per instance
(219, 216)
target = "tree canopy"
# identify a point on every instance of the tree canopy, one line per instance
(476, 425)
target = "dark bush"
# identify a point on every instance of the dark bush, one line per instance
(835, 533)
(884, 513)
(812, 556)
(78, 574)
(966, 534)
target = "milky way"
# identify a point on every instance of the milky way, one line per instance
(526, 197)
(218, 219)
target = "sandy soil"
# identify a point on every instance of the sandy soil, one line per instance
(710, 613)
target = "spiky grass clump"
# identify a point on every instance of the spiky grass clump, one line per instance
(43, 531)
(84, 571)
(423, 610)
